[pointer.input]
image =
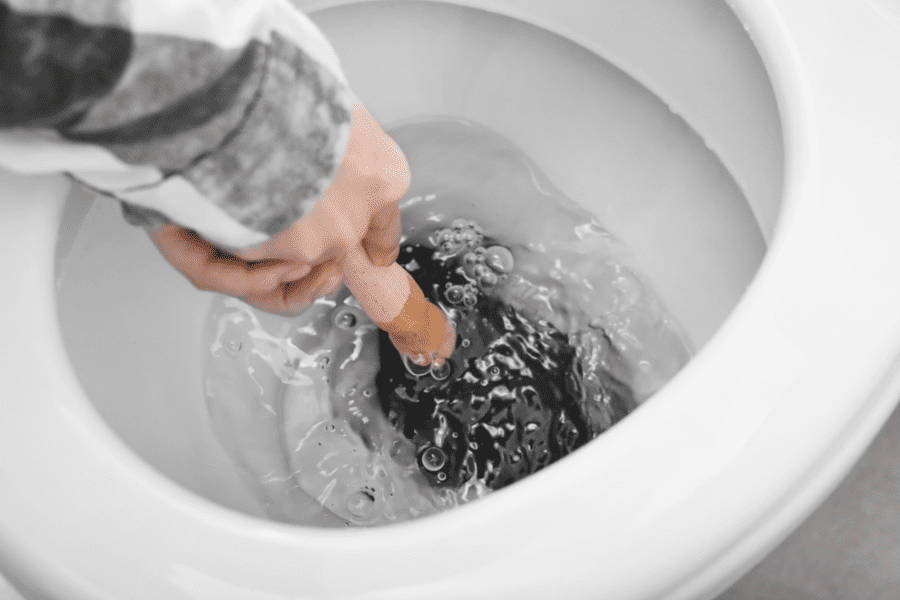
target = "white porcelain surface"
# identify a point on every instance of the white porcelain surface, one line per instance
(131, 324)
(675, 502)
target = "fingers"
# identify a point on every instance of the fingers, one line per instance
(275, 286)
(210, 269)
(357, 219)
(291, 299)
(361, 203)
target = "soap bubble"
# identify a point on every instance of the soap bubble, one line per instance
(361, 504)
(414, 369)
(434, 459)
(488, 280)
(455, 294)
(442, 372)
(345, 319)
(233, 346)
(500, 259)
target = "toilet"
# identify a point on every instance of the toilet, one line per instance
(113, 484)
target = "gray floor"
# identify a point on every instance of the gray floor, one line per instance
(849, 549)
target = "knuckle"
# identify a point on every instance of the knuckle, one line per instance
(203, 286)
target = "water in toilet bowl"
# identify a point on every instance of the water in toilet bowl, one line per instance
(559, 338)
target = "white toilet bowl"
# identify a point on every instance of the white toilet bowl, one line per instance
(113, 486)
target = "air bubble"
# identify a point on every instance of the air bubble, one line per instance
(233, 346)
(470, 300)
(500, 259)
(488, 280)
(323, 362)
(441, 476)
(466, 343)
(414, 369)
(361, 504)
(455, 294)
(367, 393)
(433, 459)
(345, 319)
(442, 372)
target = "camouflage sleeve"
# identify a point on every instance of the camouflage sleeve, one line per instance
(229, 118)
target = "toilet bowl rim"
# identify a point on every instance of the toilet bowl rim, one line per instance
(165, 491)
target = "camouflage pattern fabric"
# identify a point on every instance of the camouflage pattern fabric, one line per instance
(242, 103)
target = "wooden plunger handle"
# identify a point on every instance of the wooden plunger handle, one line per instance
(392, 298)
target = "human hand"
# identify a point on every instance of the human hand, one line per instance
(352, 234)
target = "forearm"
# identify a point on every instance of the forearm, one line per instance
(227, 118)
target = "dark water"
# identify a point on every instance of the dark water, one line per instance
(511, 400)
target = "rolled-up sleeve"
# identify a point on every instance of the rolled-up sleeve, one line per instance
(226, 117)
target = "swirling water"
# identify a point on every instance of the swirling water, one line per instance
(559, 338)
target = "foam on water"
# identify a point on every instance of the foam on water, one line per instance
(302, 405)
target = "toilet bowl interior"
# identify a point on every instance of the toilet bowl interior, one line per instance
(696, 221)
